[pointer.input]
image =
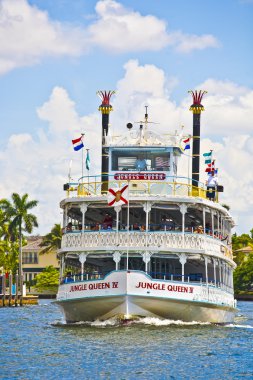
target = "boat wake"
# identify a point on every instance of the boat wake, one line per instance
(115, 322)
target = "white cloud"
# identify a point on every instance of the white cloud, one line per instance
(39, 165)
(119, 29)
(28, 35)
(186, 43)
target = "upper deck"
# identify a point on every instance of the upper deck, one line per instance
(141, 185)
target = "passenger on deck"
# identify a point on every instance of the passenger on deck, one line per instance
(68, 278)
(208, 229)
(107, 223)
(141, 164)
(211, 183)
(69, 227)
(167, 224)
(136, 227)
(199, 230)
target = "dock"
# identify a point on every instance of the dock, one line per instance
(13, 291)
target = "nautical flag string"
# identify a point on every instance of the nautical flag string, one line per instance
(208, 154)
(87, 161)
(78, 143)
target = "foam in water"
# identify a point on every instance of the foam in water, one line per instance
(115, 322)
(239, 326)
(167, 322)
(149, 321)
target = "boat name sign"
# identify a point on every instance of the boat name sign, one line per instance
(140, 176)
(140, 285)
(94, 286)
(170, 288)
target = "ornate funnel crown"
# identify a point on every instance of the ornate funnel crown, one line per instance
(105, 96)
(197, 97)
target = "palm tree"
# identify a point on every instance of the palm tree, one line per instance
(19, 217)
(52, 241)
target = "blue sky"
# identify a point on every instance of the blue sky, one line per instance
(55, 55)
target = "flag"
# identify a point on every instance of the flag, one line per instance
(87, 161)
(78, 143)
(207, 154)
(211, 164)
(187, 142)
(116, 196)
(208, 170)
(160, 162)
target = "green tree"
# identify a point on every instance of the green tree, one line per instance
(9, 256)
(243, 276)
(52, 241)
(19, 218)
(48, 279)
(239, 242)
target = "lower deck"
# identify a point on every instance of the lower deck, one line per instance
(131, 294)
(178, 267)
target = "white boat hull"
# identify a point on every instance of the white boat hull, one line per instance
(129, 295)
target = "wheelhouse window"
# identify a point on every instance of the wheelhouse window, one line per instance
(140, 160)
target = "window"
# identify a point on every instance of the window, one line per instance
(30, 258)
(140, 160)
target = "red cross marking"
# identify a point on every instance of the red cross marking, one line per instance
(118, 196)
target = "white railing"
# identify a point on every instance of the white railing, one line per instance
(161, 241)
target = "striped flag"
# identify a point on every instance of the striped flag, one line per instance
(161, 162)
(187, 142)
(78, 143)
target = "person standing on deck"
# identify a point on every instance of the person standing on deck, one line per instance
(211, 183)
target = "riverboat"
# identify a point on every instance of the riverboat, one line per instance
(141, 241)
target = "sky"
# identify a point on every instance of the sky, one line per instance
(56, 54)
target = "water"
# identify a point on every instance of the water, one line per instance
(35, 343)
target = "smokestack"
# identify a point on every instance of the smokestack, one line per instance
(196, 109)
(105, 108)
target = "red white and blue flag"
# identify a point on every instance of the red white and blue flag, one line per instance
(161, 162)
(78, 143)
(187, 144)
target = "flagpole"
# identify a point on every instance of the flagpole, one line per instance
(70, 165)
(189, 174)
(88, 169)
(127, 223)
(82, 158)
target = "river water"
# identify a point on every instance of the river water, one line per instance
(35, 343)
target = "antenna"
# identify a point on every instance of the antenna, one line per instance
(145, 121)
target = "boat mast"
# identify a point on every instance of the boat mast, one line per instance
(105, 108)
(196, 109)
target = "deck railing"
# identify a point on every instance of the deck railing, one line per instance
(171, 186)
(141, 241)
